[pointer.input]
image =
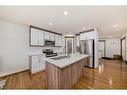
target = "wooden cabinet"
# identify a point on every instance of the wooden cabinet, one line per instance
(37, 63)
(36, 37)
(64, 78)
(58, 40)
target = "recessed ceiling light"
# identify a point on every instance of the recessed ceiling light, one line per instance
(114, 26)
(65, 12)
(50, 23)
(84, 28)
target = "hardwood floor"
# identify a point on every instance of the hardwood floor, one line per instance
(111, 74)
(24, 80)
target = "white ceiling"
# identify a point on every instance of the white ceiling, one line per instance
(101, 17)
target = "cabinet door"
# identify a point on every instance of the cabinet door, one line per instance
(42, 65)
(52, 36)
(47, 36)
(56, 40)
(87, 36)
(77, 41)
(35, 64)
(83, 36)
(90, 35)
(38, 64)
(59, 40)
(41, 37)
(34, 37)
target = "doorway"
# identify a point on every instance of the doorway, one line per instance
(69, 45)
(102, 49)
(123, 48)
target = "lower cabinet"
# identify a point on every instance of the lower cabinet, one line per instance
(37, 63)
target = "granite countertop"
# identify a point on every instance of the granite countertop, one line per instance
(66, 61)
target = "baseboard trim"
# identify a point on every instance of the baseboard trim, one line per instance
(9, 74)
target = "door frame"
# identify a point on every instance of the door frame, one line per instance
(104, 47)
(124, 38)
(65, 42)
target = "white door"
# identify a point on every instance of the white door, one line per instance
(101, 50)
(124, 49)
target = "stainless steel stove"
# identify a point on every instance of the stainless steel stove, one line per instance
(49, 53)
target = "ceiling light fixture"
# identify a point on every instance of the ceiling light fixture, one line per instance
(84, 28)
(50, 23)
(65, 12)
(114, 26)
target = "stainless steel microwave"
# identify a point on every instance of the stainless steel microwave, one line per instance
(49, 43)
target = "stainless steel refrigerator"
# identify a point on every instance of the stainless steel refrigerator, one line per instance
(87, 47)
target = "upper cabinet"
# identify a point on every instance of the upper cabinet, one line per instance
(36, 37)
(58, 40)
(49, 36)
(77, 40)
(87, 35)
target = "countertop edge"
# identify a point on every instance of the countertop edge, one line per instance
(65, 65)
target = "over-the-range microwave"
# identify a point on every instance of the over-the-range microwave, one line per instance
(49, 43)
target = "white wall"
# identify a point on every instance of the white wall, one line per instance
(14, 48)
(112, 46)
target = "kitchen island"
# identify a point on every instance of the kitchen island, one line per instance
(63, 71)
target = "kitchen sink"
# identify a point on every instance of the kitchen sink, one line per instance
(60, 57)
